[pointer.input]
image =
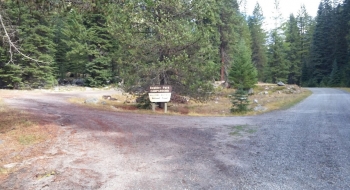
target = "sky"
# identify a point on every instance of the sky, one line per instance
(286, 6)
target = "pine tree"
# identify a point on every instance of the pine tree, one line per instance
(228, 30)
(258, 44)
(293, 39)
(90, 48)
(34, 61)
(243, 74)
(306, 25)
(341, 29)
(240, 101)
(171, 44)
(323, 45)
(335, 75)
(278, 66)
(346, 16)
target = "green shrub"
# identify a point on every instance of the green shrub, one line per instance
(240, 101)
(143, 101)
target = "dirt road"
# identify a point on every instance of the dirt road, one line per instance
(305, 147)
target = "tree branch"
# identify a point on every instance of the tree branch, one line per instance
(12, 45)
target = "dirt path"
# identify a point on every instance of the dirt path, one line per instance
(299, 148)
(114, 150)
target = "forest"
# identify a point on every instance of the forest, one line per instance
(188, 44)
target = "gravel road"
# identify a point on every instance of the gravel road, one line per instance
(304, 147)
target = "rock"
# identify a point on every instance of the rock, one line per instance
(256, 101)
(8, 166)
(91, 101)
(79, 82)
(279, 92)
(218, 84)
(266, 92)
(251, 91)
(280, 83)
(106, 97)
(260, 108)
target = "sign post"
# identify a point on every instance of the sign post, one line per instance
(160, 93)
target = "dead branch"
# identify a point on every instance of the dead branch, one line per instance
(12, 45)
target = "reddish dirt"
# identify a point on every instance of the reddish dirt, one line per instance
(95, 149)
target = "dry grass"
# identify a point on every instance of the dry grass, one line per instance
(270, 96)
(276, 97)
(346, 89)
(19, 132)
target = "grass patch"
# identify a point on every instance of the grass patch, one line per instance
(3, 171)
(28, 139)
(46, 174)
(251, 131)
(346, 89)
(242, 130)
(269, 96)
(21, 133)
(286, 102)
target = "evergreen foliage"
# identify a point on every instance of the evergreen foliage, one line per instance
(228, 26)
(240, 101)
(258, 44)
(294, 50)
(278, 65)
(243, 74)
(171, 44)
(335, 75)
(186, 44)
(306, 28)
(35, 37)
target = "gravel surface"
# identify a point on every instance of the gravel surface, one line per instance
(304, 147)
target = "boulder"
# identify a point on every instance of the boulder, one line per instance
(260, 108)
(106, 97)
(280, 83)
(251, 91)
(256, 101)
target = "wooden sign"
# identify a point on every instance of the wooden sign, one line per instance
(160, 93)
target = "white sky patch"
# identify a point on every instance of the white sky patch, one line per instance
(286, 8)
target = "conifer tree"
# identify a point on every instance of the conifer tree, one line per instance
(322, 49)
(34, 62)
(306, 26)
(228, 30)
(170, 43)
(243, 74)
(278, 65)
(258, 44)
(293, 39)
(335, 76)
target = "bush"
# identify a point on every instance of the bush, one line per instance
(239, 101)
(143, 101)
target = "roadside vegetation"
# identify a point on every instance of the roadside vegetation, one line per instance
(21, 134)
(266, 97)
(346, 89)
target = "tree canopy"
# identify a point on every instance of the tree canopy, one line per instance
(187, 44)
